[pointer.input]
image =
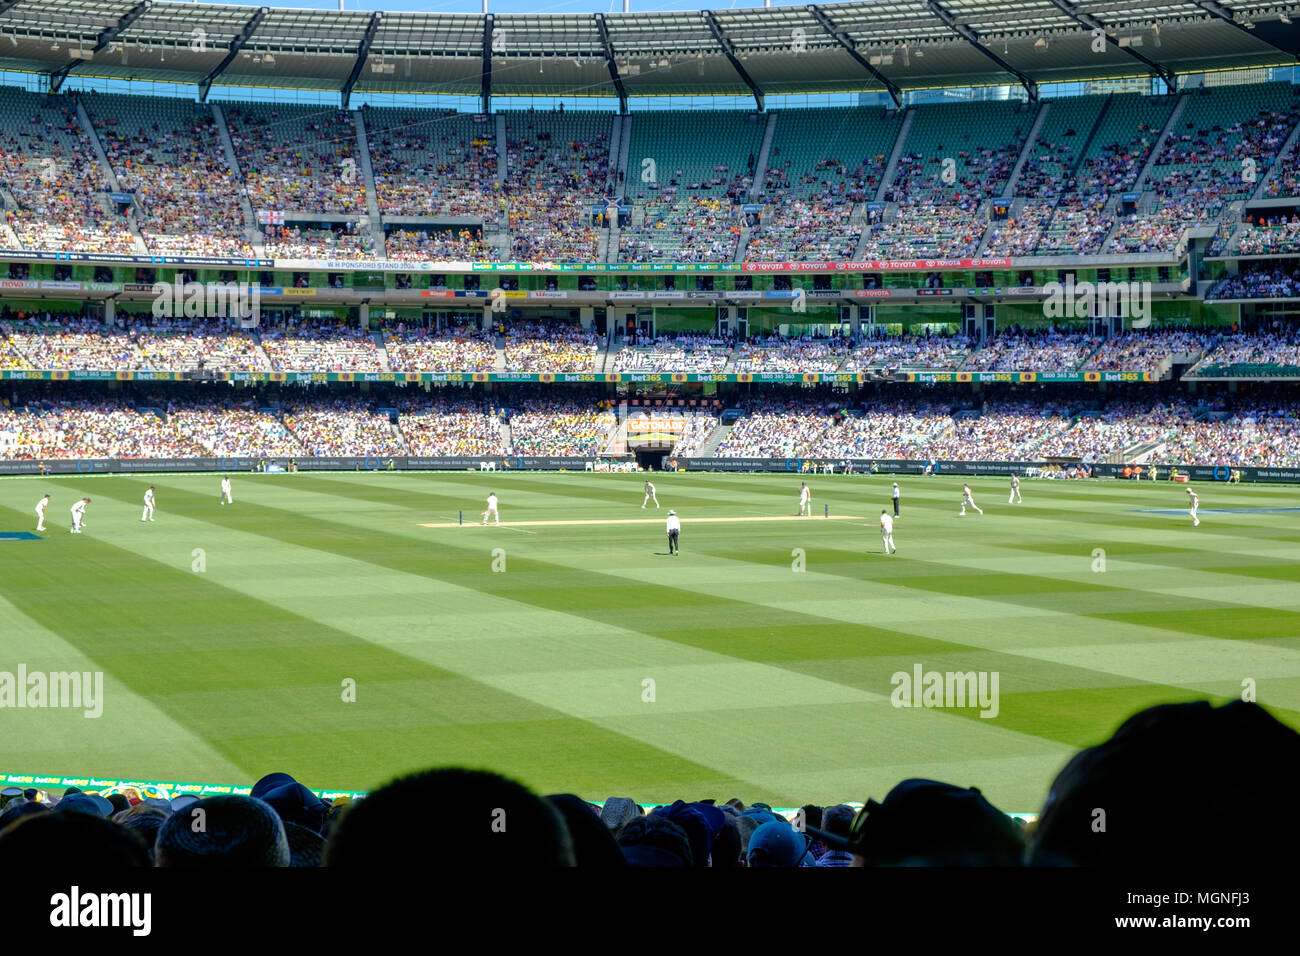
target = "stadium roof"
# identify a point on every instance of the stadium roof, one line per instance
(883, 45)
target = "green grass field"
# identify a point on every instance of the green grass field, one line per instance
(768, 684)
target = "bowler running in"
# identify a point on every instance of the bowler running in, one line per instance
(966, 499)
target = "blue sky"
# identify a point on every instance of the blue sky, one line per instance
(518, 6)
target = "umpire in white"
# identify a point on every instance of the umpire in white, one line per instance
(674, 528)
(895, 499)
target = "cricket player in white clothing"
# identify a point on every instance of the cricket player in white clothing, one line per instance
(805, 500)
(1015, 491)
(1195, 500)
(147, 514)
(887, 532)
(895, 499)
(650, 495)
(966, 499)
(225, 492)
(674, 529)
(40, 512)
(78, 512)
(491, 509)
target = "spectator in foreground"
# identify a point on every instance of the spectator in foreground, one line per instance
(451, 818)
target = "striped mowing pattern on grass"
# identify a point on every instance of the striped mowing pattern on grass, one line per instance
(760, 663)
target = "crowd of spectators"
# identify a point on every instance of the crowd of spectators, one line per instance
(454, 349)
(1264, 235)
(343, 426)
(560, 426)
(457, 425)
(911, 351)
(699, 427)
(232, 429)
(320, 346)
(1169, 755)
(1047, 350)
(694, 229)
(699, 352)
(1257, 281)
(186, 198)
(443, 246)
(1121, 425)
(550, 187)
(776, 353)
(1143, 350)
(794, 229)
(549, 347)
(298, 160)
(1278, 348)
(298, 242)
(437, 167)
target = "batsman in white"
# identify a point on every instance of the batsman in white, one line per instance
(491, 509)
(805, 500)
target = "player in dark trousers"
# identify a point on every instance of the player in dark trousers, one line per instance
(674, 527)
(895, 499)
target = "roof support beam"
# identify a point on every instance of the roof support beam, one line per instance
(1092, 23)
(729, 50)
(851, 48)
(485, 90)
(1226, 15)
(106, 36)
(236, 45)
(971, 37)
(603, 29)
(363, 51)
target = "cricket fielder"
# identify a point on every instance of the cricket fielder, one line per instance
(895, 500)
(226, 499)
(491, 509)
(887, 531)
(674, 529)
(1195, 500)
(78, 512)
(1015, 498)
(40, 512)
(147, 514)
(966, 499)
(649, 495)
(805, 500)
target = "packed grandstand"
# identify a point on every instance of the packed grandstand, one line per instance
(860, 281)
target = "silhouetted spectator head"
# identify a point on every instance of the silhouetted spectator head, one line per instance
(701, 821)
(1147, 796)
(618, 812)
(593, 844)
(15, 810)
(452, 817)
(81, 840)
(145, 822)
(291, 800)
(223, 831)
(656, 841)
(306, 846)
(776, 844)
(927, 823)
